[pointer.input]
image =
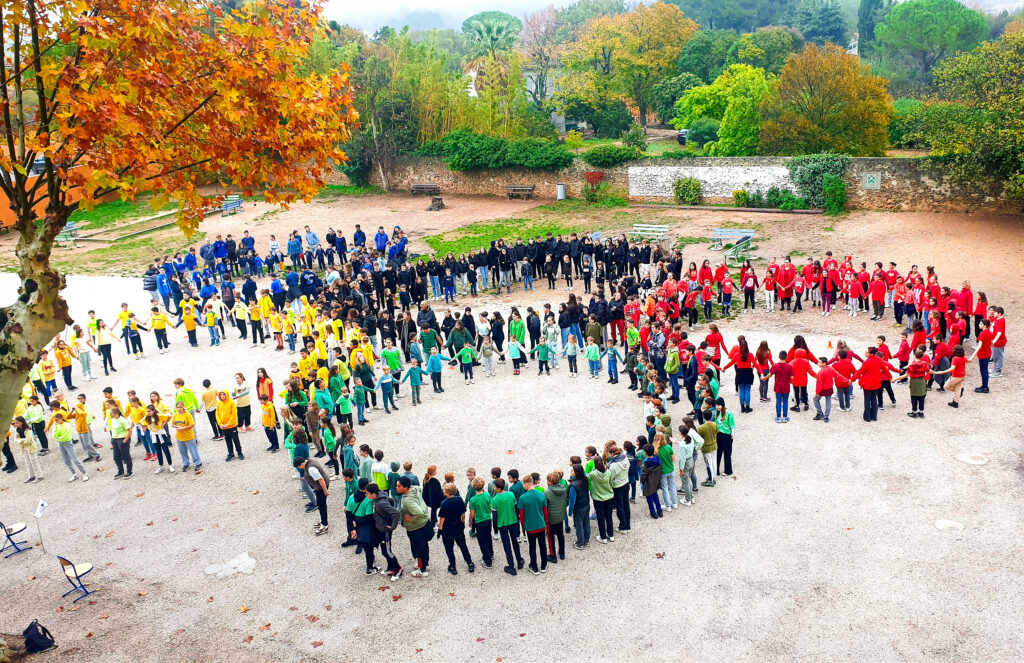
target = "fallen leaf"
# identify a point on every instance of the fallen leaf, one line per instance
(510, 452)
(451, 593)
(108, 534)
(316, 643)
(247, 639)
(848, 529)
(110, 563)
(395, 597)
(244, 608)
(101, 469)
(75, 609)
(293, 608)
(522, 635)
(418, 651)
(255, 492)
(91, 602)
(31, 577)
(312, 618)
(381, 588)
(480, 639)
(104, 616)
(139, 494)
(274, 634)
(216, 525)
(60, 608)
(89, 634)
(498, 659)
(120, 547)
(209, 600)
(660, 555)
(200, 529)
(327, 607)
(149, 524)
(265, 627)
(180, 631)
(174, 520)
(143, 593)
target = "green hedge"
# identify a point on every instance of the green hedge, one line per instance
(834, 192)
(464, 150)
(606, 156)
(808, 174)
(774, 198)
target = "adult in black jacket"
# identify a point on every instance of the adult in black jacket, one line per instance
(426, 318)
(576, 254)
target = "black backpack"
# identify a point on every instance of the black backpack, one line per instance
(37, 638)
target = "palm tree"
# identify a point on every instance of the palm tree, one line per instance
(490, 37)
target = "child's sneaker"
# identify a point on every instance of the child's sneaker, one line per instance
(419, 574)
(373, 570)
(397, 575)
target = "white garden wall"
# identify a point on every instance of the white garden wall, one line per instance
(718, 181)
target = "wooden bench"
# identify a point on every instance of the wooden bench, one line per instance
(740, 238)
(519, 190)
(650, 230)
(429, 189)
(66, 238)
(231, 205)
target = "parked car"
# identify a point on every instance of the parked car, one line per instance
(681, 136)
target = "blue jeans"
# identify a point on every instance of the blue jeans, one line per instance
(291, 342)
(484, 274)
(527, 282)
(668, 490)
(435, 285)
(595, 367)
(781, 406)
(613, 371)
(360, 409)
(449, 294)
(565, 336)
(745, 395)
(983, 369)
(581, 521)
(214, 335)
(142, 435)
(844, 394)
(188, 448)
(575, 329)
(674, 381)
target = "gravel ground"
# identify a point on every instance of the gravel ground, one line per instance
(829, 543)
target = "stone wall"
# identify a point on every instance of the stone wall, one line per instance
(903, 184)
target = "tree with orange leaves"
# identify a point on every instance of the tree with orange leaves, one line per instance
(119, 97)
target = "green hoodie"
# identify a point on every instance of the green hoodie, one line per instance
(558, 499)
(600, 486)
(413, 505)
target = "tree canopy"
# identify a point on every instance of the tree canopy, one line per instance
(821, 22)
(928, 30)
(732, 99)
(767, 48)
(826, 100)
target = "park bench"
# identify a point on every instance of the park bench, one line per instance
(740, 238)
(653, 231)
(67, 237)
(429, 189)
(231, 205)
(519, 190)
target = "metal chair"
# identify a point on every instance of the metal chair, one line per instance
(9, 542)
(74, 573)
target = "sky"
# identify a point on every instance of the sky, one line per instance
(422, 13)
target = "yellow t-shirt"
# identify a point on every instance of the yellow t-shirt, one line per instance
(321, 348)
(269, 415)
(184, 420)
(275, 323)
(266, 305)
(211, 319)
(210, 399)
(159, 321)
(255, 313)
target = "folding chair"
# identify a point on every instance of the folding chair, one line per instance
(9, 542)
(74, 573)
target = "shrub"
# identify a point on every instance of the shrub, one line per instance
(808, 172)
(740, 198)
(677, 154)
(703, 130)
(834, 193)
(605, 156)
(757, 200)
(687, 191)
(904, 120)
(789, 201)
(464, 150)
(603, 195)
(635, 137)
(574, 140)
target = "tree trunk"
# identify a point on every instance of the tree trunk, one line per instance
(377, 155)
(39, 313)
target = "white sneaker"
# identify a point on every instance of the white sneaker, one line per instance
(170, 469)
(73, 477)
(611, 539)
(85, 477)
(600, 540)
(419, 574)
(687, 503)
(158, 470)
(494, 535)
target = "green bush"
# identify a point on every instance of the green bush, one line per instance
(789, 201)
(676, 154)
(635, 137)
(834, 194)
(687, 191)
(809, 171)
(603, 196)
(740, 198)
(757, 201)
(464, 150)
(605, 156)
(703, 130)
(904, 120)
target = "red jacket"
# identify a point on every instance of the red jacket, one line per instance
(869, 375)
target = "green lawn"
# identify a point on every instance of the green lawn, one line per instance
(116, 211)
(126, 256)
(482, 233)
(335, 191)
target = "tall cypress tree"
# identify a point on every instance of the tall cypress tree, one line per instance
(868, 16)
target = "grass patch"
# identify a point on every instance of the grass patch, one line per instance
(597, 142)
(667, 145)
(335, 191)
(686, 241)
(829, 229)
(797, 254)
(570, 205)
(756, 227)
(109, 213)
(482, 233)
(129, 256)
